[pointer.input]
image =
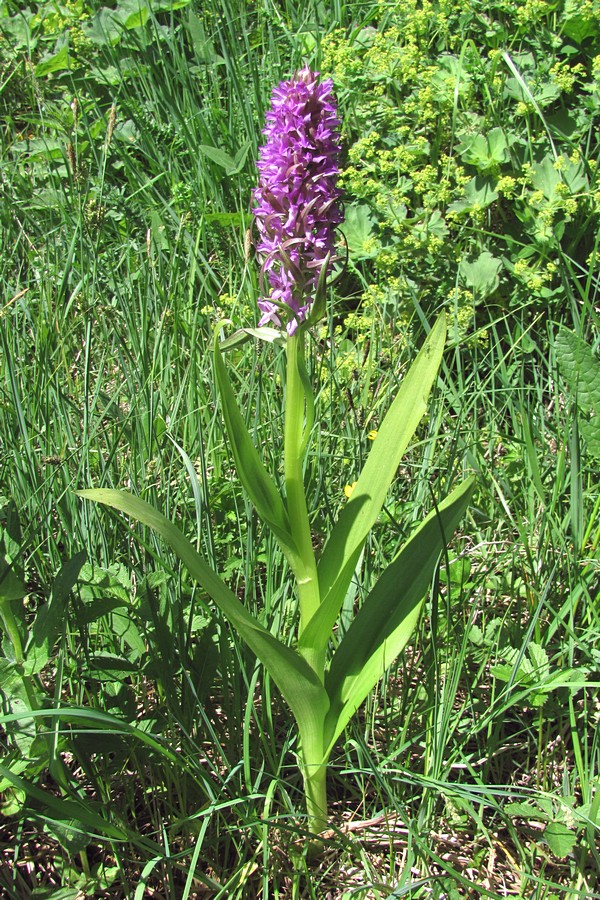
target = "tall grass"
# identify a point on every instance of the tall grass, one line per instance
(156, 755)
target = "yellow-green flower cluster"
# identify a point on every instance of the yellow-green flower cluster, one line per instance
(565, 76)
(531, 12)
(534, 276)
(437, 134)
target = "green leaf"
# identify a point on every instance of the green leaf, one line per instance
(58, 62)
(485, 152)
(226, 219)
(525, 85)
(524, 810)
(479, 194)
(579, 23)
(102, 722)
(435, 225)
(220, 157)
(545, 177)
(42, 149)
(168, 5)
(251, 471)
(98, 583)
(109, 667)
(581, 369)
(240, 159)
(50, 893)
(295, 679)
(137, 18)
(202, 45)
(101, 29)
(482, 275)
(19, 702)
(109, 25)
(457, 573)
(242, 335)
(591, 433)
(505, 672)
(539, 660)
(231, 165)
(72, 835)
(451, 78)
(389, 614)
(341, 552)
(16, 30)
(559, 838)
(11, 586)
(51, 616)
(358, 229)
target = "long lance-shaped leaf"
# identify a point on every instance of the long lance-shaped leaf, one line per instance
(346, 540)
(389, 614)
(250, 468)
(295, 679)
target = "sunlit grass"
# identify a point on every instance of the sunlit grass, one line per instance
(119, 257)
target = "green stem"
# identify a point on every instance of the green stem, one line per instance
(299, 417)
(314, 773)
(295, 439)
(315, 790)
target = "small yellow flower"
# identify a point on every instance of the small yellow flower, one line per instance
(372, 435)
(349, 488)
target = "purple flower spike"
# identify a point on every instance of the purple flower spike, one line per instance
(296, 200)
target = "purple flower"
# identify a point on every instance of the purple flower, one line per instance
(297, 205)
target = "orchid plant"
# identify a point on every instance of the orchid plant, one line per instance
(323, 677)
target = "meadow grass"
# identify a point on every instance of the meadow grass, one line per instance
(145, 753)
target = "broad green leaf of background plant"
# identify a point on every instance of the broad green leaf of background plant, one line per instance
(389, 614)
(451, 78)
(485, 151)
(480, 192)
(51, 616)
(251, 471)
(359, 232)
(56, 62)
(18, 702)
(231, 165)
(580, 368)
(579, 23)
(560, 838)
(482, 275)
(546, 177)
(295, 679)
(558, 835)
(242, 335)
(525, 86)
(341, 552)
(11, 586)
(108, 26)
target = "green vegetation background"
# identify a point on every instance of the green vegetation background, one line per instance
(142, 748)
